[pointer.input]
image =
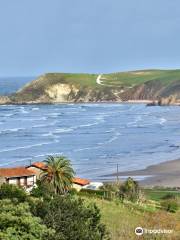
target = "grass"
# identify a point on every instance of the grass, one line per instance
(122, 219)
(130, 79)
(86, 80)
(121, 79)
(88, 88)
(119, 219)
(158, 194)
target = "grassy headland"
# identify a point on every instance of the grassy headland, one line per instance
(120, 86)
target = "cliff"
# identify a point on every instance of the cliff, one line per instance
(63, 87)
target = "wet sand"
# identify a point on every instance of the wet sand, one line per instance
(165, 174)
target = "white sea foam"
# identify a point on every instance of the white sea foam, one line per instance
(11, 130)
(162, 121)
(49, 134)
(62, 130)
(44, 125)
(26, 147)
(22, 109)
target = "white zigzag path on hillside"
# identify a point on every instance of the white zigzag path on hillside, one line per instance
(100, 82)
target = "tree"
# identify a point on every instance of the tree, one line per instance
(10, 191)
(17, 223)
(129, 190)
(59, 174)
(72, 219)
(42, 190)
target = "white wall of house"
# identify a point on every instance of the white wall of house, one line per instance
(2, 180)
(37, 170)
(77, 187)
(31, 180)
(13, 181)
(22, 181)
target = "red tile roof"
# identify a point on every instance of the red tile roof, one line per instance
(42, 166)
(16, 172)
(39, 165)
(81, 181)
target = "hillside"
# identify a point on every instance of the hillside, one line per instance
(123, 86)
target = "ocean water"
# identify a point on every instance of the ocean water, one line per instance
(96, 137)
(10, 85)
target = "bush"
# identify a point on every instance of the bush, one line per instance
(87, 192)
(170, 205)
(9, 191)
(129, 190)
(72, 219)
(169, 196)
(41, 190)
(111, 187)
(17, 222)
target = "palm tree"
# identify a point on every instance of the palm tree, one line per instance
(58, 174)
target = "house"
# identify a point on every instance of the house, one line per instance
(79, 183)
(38, 167)
(93, 185)
(27, 176)
(18, 175)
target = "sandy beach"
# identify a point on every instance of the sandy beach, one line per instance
(165, 174)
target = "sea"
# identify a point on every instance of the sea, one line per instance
(95, 137)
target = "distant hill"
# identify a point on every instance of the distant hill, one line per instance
(120, 86)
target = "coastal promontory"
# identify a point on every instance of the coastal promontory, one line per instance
(142, 85)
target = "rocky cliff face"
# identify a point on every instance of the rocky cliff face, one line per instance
(4, 100)
(62, 88)
(62, 93)
(153, 90)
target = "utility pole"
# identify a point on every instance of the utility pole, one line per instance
(117, 172)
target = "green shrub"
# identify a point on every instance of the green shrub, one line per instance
(169, 196)
(42, 190)
(129, 190)
(170, 205)
(18, 223)
(86, 192)
(10, 191)
(72, 219)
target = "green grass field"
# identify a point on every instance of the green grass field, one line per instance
(159, 194)
(122, 219)
(119, 79)
(130, 79)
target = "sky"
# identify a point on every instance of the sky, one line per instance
(90, 36)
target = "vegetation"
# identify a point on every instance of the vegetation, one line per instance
(153, 84)
(17, 223)
(134, 78)
(72, 219)
(58, 174)
(129, 190)
(170, 205)
(118, 79)
(55, 211)
(12, 192)
(158, 194)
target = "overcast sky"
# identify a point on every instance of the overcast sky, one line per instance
(39, 36)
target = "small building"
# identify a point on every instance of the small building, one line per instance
(19, 176)
(27, 176)
(79, 183)
(37, 167)
(93, 185)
